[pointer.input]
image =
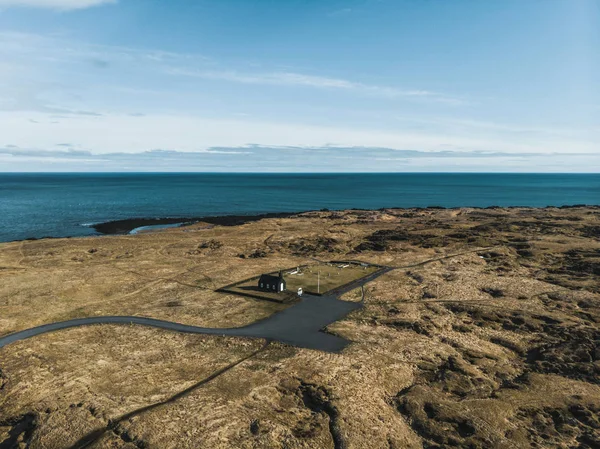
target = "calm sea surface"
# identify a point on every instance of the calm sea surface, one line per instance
(59, 205)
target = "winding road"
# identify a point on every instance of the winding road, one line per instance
(300, 325)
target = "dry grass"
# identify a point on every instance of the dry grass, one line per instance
(479, 348)
(79, 379)
(322, 278)
(162, 275)
(313, 279)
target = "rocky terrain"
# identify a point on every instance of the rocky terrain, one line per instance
(486, 334)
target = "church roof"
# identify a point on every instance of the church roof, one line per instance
(271, 279)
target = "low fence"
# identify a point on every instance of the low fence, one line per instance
(290, 296)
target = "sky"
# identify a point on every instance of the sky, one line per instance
(300, 85)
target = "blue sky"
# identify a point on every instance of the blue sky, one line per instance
(257, 85)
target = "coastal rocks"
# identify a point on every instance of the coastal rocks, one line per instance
(371, 246)
(575, 268)
(514, 321)
(464, 377)
(591, 232)
(380, 240)
(502, 261)
(580, 263)
(387, 239)
(493, 292)
(446, 404)
(436, 424)
(256, 254)
(415, 326)
(572, 352)
(523, 249)
(211, 244)
(309, 246)
(415, 276)
(317, 399)
(576, 355)
(126, 226)
(255, 427)
(306, 246)
(550, 427)
(17, 432)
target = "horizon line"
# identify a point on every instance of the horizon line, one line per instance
(288, 173)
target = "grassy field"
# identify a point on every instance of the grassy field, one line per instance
(513, 329)
(325, 277)
(313, 279)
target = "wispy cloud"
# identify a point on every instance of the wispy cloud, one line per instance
(58, 74)
(55, 4)
(26, 56)
(259, 158)
(189, 132)
(340, 12)
(298, 79)
(56, 89)
(474, 125)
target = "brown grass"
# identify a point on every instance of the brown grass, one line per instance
(313, 279)
(477, 348)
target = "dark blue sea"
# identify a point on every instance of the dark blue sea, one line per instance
(60, 205)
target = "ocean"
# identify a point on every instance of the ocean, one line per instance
(62, 205)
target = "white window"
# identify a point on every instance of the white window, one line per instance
(261, 285)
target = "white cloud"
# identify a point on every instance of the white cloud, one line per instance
(463, 124)
(298, 79)
(340, 12)
(257, 158)
(56, 4)
(42, 59)
(107, 99)
(134, 134)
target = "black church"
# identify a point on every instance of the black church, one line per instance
(270, 283)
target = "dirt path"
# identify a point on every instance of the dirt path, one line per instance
(22, 252)
(449, 256)
(114, 425)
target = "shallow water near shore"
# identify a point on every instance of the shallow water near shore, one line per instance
(63, 205)
(153, 228)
